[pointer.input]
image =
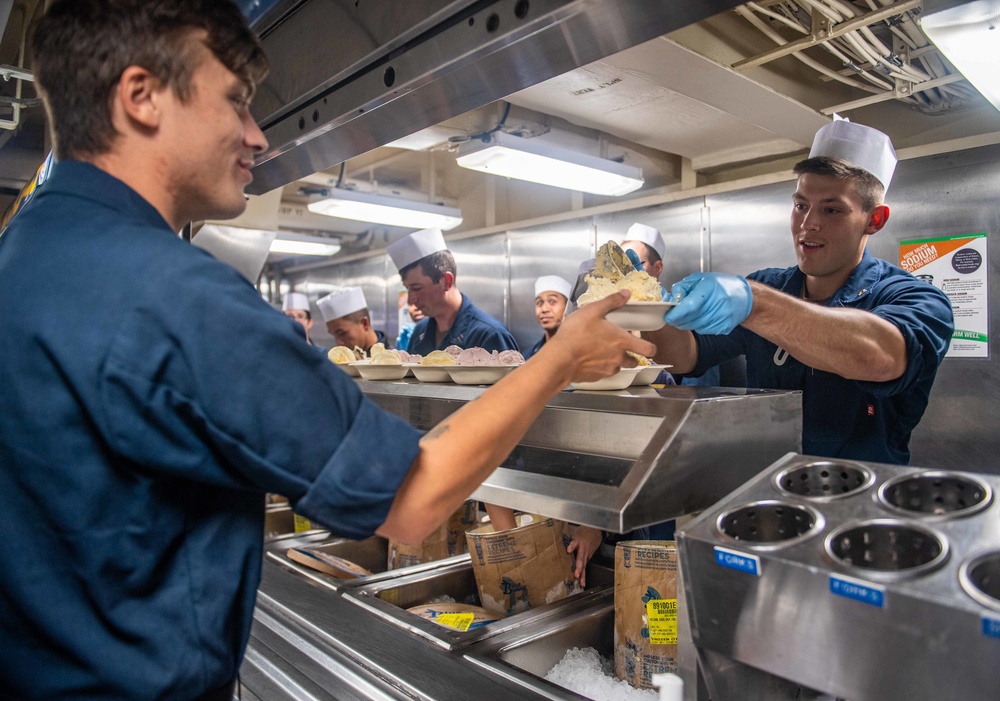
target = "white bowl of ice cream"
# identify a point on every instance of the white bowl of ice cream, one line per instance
(640, 316)
(372, 371)
(478, 374)
(429, 373)
(620, 380)
(647, 374)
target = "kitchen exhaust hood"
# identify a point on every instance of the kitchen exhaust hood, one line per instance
(347, 77)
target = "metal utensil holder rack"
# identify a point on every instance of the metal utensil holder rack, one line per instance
(864, 581)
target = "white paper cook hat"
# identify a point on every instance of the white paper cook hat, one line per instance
(295, 300)
(417, 245)
(552, 283)
(649, 236)
(859, 145)
(339, 304)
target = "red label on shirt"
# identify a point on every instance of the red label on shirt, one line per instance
(871, 410)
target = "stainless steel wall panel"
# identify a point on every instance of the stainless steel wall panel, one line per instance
(749, 229)
(482, 272)
(556, 249)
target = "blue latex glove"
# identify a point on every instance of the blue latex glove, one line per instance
(634, 257)
(710, 303)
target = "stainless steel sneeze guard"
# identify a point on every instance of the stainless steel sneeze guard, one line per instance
(622, 460)
(890, 593)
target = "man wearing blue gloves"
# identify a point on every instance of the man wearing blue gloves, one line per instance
(860, 337)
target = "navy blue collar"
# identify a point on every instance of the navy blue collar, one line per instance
(858, 284)
(87, 181)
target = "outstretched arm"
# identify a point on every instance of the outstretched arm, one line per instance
(462, 450)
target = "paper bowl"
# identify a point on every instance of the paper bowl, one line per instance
(647, 375)
(350, 368)
(379, 372)
(478, 374)
(621, 380)
(430, 373)
(640, 316)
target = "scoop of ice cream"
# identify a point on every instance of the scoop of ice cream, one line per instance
(438, 358)
(385, 357)
(478, 356)
(341, 355)
(642, 285)
(511, 357)
(409, 357)
(453, 350)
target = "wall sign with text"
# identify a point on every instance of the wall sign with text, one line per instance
(956, 265)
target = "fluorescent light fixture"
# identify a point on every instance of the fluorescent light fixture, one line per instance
(302, 245)
(538, 162)
(391, 211)
(969, 36)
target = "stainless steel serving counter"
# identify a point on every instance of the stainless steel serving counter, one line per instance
(615, 460)
(625, 459)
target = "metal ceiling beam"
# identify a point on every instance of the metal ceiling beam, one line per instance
(822, 35)
(902, 93)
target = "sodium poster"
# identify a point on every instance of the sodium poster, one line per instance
(957, 266)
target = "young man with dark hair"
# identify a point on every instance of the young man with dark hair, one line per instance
(428, 271)
(348, 319)
(136, 447)
(860, 337)
(295, 305)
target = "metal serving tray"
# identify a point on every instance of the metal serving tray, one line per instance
(870, 582)
(526, 655)
(390, 599)
(370, 553)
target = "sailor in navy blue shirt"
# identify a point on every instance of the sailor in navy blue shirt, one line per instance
(428, 271)
(551, 302)
(149, 397)
(861, 338)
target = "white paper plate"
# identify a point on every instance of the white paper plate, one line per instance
(351, 368)
(621, 380)
(478, 374)
(379, 372)
(640, 316)
(647, 375)
(430, 373)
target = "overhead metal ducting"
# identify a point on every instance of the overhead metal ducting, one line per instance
(348, 77)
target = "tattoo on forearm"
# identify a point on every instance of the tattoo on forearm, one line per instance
(436, 432)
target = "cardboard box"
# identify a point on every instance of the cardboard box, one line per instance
(448, 540)
(645, 610)
(522, 568)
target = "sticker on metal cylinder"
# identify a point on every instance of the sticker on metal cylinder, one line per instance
(858, 591)
(991, 627)
(741, 562)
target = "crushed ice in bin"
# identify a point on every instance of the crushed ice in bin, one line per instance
(584, 671)
(443, 599)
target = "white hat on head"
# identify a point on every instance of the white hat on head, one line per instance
(861, 146)
(649, 236)
(295, 300)
(417, 245)
(341, 303)
(553, 283)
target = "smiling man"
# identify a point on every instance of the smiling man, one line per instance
(860, 337)
(136, 447)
